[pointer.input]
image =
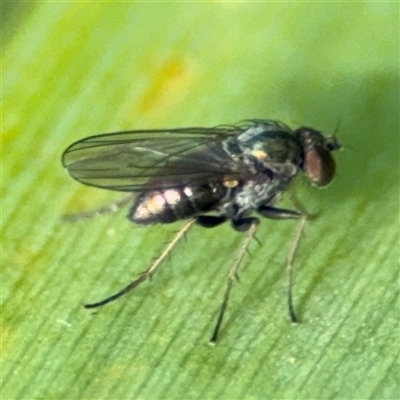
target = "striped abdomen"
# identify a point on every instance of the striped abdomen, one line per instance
(170, 205)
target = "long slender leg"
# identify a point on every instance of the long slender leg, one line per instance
(110, 208)
(278, 213)
(299, 205)
(233, 274)
(281, 213)
(150, 271)
(289, 267)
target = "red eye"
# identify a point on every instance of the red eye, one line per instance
(319, 166)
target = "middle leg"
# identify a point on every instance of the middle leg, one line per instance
(233, 274)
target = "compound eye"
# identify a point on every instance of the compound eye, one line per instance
(319, 166)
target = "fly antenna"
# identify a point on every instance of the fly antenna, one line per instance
(338, 123)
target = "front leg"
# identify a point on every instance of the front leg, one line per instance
(278, 213)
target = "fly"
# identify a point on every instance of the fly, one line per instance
(206, 176)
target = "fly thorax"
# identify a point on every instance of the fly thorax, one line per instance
(264, 148)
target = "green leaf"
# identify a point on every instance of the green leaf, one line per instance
(73, 69)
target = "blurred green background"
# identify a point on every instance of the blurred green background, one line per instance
(73, 69)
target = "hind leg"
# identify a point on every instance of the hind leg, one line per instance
(149, 272)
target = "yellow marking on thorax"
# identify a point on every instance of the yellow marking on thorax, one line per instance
(231, 183)
(259, 154)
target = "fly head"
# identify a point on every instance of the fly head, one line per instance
(318, 164)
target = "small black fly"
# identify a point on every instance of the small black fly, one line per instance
(188, 173)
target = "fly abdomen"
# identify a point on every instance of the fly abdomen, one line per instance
(170, 205)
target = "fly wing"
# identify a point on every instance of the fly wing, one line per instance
(145, 160)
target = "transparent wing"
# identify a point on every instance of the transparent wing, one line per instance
(153, 159)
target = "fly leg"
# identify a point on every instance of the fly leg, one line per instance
(278, 213)
(289, 267)
(210, 221)
(281, 213)
(150, 271)
(251, 224)
(110, 208)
